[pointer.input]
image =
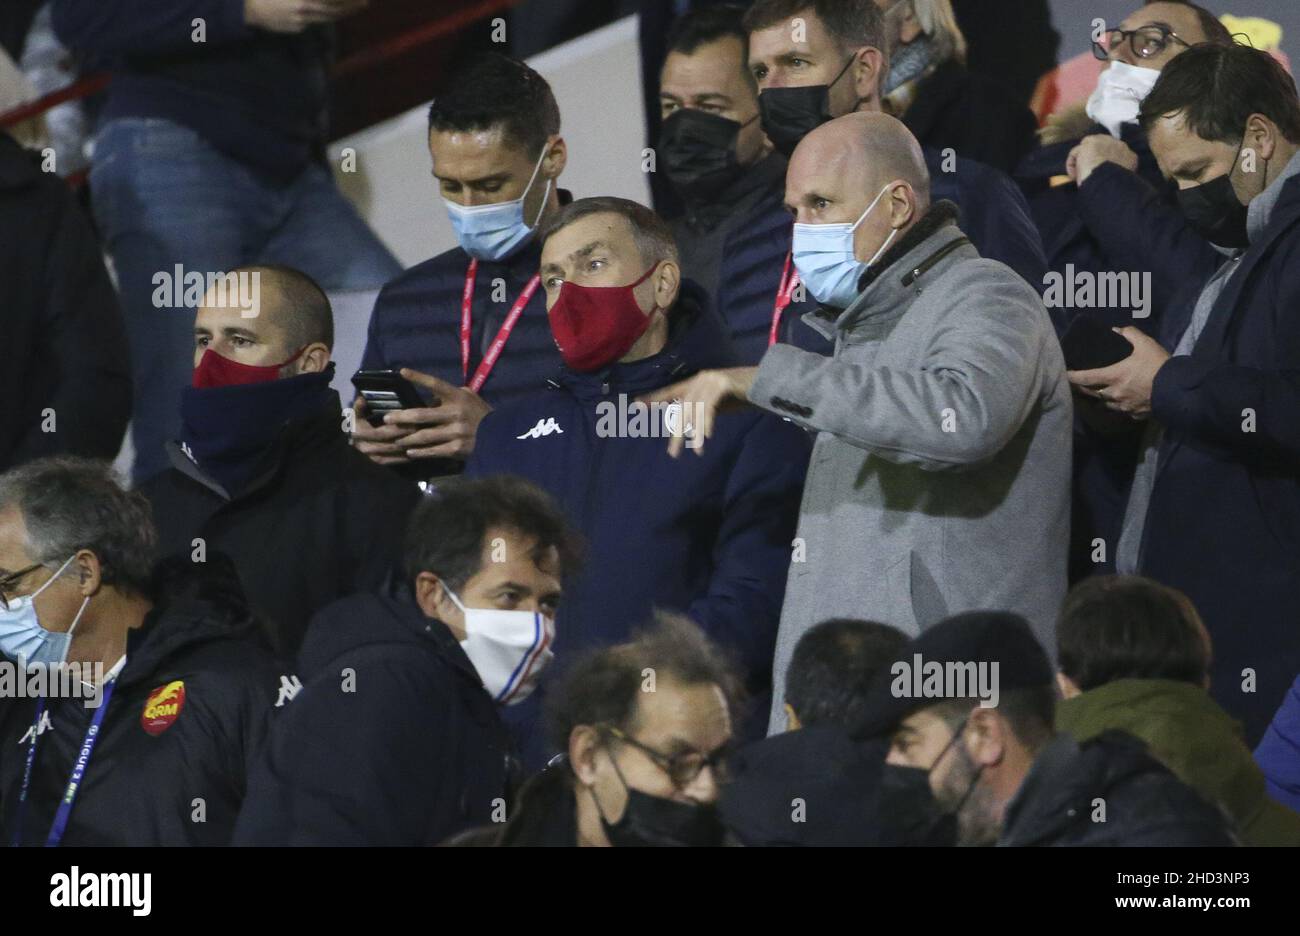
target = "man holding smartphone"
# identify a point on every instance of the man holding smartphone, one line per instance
(468, 327)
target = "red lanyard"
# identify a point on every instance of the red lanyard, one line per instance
(499, 342)
(784, 293)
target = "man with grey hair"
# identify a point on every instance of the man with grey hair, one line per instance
(171, 688)
(708, 536)
(940, 480)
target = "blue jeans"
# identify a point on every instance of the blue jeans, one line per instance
(163, 196)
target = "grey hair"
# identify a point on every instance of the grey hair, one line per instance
(69, 504)
(653, 238)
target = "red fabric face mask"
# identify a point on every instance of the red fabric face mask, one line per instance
(596, 325)
(217, 371)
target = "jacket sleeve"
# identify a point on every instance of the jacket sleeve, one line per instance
(82, 325)
(1248, 412)
(348, 768)
(127, 27)
(977, 381)
(1139, 230)
(752, 552)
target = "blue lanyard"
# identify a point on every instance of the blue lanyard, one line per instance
(60, 824)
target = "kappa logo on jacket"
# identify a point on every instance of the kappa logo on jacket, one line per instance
(544, 427)
(163, 707)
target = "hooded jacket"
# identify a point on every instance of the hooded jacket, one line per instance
(1196, 739)
(66, 382)
(940, 479)
(317, 521)
(184, 722)
(1144, 803)
(392, 739)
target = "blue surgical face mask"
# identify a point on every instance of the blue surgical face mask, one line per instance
(23, 639)
(823, 255)
(493, 232)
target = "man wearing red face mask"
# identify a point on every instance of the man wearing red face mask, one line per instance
(708, 536)
(263, 470)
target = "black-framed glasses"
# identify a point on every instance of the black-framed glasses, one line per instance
(9, 582)
(683, 768)
(1145, 41)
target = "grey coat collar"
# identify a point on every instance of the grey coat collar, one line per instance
(886, 289)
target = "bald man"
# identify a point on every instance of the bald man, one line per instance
(939, 480)
(263, 470)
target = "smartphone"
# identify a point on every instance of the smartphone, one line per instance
(385, 391)
(1089, 344)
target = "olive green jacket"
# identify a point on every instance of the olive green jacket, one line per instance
(1196, 739)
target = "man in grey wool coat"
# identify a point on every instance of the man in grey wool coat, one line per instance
(940, 478)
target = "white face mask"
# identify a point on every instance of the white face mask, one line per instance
(509, 649)
(1119, 93)
(823, 255)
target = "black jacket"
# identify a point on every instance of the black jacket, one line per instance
(1223, 523)
(321, 521)
(61, 329)
(392, 740)
(183, 783)
(1109, 792)
(814, 787)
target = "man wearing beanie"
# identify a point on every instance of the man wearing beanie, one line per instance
(968, 708)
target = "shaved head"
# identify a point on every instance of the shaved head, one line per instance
(871, 149)
(864, 169)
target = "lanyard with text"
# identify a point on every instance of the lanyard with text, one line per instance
(784, 293)
(466, 321)
(60, 824)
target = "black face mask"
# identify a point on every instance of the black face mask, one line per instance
(790, 114)
(699, 152)
(1213, 211)
(654, 821)
(908, 812)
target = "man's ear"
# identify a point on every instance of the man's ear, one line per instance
(584, 743)
(867, 69)
(314, 359)
(556, 158)
(987, 736)
(1261, 136)
(667, 282)
(903, 207)
(429, 594)
(90, 574)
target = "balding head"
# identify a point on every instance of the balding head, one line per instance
(873, 148)
(262, 315)
(854, 163)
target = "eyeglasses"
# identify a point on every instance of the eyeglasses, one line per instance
(682, 769)
(1146, 41)
(9, 582)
